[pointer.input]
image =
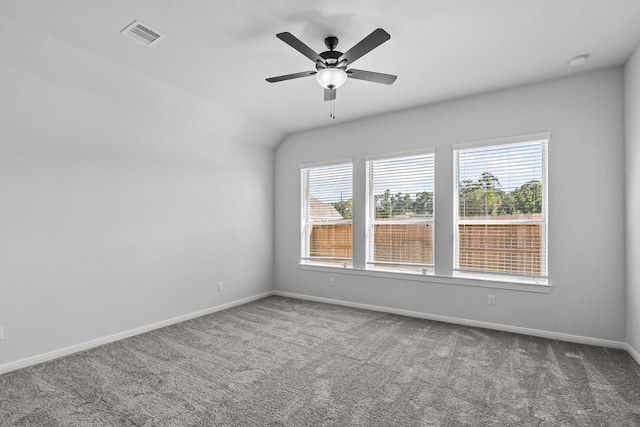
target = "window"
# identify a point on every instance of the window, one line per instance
(500, 207)
(327, 214)
(400, 200)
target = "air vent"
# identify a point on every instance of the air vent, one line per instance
(142, 33)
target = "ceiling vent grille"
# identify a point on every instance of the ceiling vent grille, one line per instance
(142, 33)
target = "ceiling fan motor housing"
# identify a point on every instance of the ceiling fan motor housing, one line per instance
(331, 60)
(331, 56)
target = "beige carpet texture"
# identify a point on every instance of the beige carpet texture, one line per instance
(287, 362)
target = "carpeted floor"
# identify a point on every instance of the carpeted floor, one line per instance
(287, 362)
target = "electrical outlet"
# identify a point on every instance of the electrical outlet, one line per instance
(332, 282)
(492, 300)
(220, 286)
(1, 332)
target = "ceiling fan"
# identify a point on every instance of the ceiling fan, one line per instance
(331, 65)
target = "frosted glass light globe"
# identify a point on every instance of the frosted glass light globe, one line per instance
(331, 78)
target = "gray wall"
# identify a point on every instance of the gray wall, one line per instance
(123, 201)
(632, 169)
(586, 198)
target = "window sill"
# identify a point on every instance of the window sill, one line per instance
(512, 284)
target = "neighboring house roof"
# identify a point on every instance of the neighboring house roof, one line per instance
(319, 211)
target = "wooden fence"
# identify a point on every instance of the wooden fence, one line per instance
(331, 241)
(500, 248)
(406, 243)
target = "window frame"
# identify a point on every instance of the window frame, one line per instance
(443, 237)
(543, 279)
(371, 221)
(306, 224)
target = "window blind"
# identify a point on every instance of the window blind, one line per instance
(400, 212)
(326, 208)
(500, 209)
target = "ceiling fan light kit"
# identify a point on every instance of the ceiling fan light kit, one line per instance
(331, 65)
(331, 78)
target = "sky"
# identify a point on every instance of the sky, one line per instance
(512, 164)
(331, 183)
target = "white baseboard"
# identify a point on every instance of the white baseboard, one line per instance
(487, 325)
(34, 360)
(633, 353)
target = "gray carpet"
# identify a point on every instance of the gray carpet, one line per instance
(286, 362)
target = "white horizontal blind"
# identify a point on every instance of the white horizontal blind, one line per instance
(400, 213)
(326, 209)
(500, 205)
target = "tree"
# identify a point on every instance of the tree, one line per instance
(384, 204)
(481, 197)
(528, 198)
(423, 205)
(402, 204)
(484, 197)
(509, 205)
(345, 208)
(389, 205)
(489, 181)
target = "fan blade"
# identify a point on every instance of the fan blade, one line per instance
(330, 94)
(295, 43)
(291, 76)
(370, 76)
(365, 45)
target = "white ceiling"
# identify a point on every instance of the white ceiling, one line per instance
(440, 49)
